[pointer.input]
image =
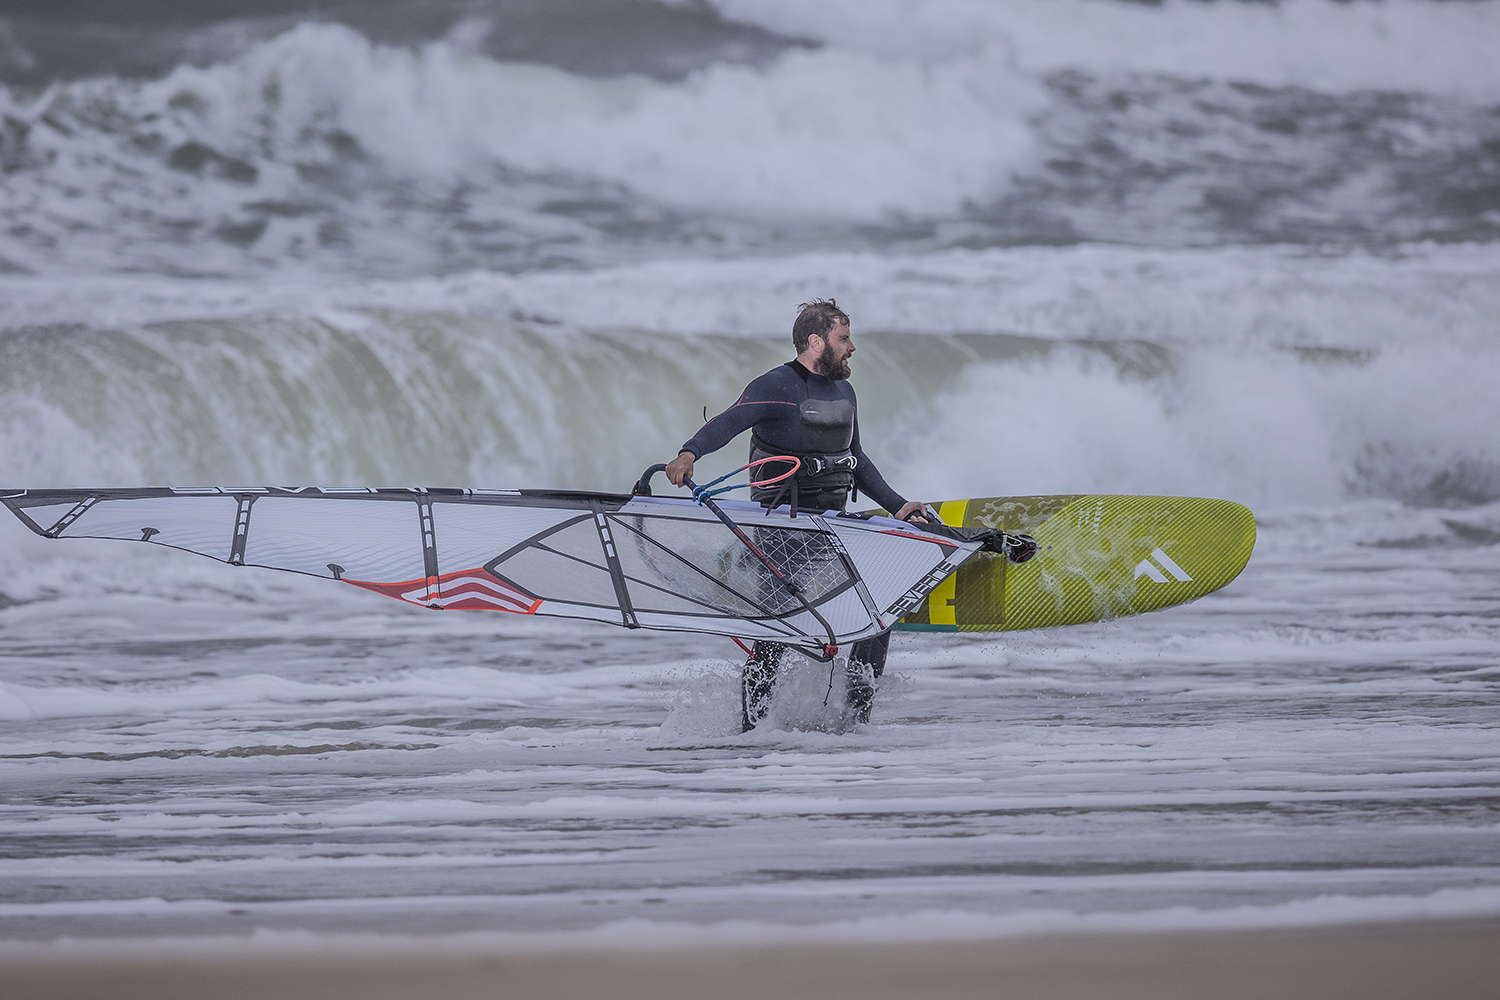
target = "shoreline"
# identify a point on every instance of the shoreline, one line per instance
(1450, 959)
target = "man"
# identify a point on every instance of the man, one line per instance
(804, 408)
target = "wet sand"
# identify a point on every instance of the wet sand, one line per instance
(1447, 960)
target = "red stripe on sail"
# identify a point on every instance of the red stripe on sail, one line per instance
(921, 538)
(464, 590)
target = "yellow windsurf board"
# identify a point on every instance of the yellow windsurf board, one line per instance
(1098, 557)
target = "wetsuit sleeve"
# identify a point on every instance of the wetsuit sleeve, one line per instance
(869, 479)
(752, 408)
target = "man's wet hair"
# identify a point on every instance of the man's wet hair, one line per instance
(816, 317)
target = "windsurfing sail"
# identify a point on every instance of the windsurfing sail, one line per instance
(637, 561)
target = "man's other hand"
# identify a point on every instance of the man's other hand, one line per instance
(907, 510)
(681, 468)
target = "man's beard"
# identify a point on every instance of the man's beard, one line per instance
(829, 366)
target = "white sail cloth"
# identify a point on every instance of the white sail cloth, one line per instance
(641, 562)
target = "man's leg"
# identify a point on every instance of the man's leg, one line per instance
(793, 550)
(866, 664)
(758, 679)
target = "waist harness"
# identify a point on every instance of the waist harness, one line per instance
(828, 465)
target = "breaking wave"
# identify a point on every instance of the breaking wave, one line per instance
(1261, 376)
(406, 139)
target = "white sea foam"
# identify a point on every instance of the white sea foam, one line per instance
(1254, 297)
(1263, 429)
(820, 133)
(320, 149)
(638, 934)
(1413, 45)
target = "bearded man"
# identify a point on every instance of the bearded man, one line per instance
(805, 408)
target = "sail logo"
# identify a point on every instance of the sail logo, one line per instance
(466, 590)
(1155, 569)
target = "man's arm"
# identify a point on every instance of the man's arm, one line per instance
(733, 422)
(744, 414)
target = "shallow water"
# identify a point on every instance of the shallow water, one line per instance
(194, 749)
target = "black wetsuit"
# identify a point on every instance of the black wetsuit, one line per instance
(772, 407)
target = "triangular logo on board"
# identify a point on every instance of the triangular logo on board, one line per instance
(1146, 567)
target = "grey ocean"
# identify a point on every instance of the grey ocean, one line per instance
(1240, 250)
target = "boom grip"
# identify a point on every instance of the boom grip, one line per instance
(643, 487)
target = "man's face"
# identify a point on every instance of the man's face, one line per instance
(833, 363)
